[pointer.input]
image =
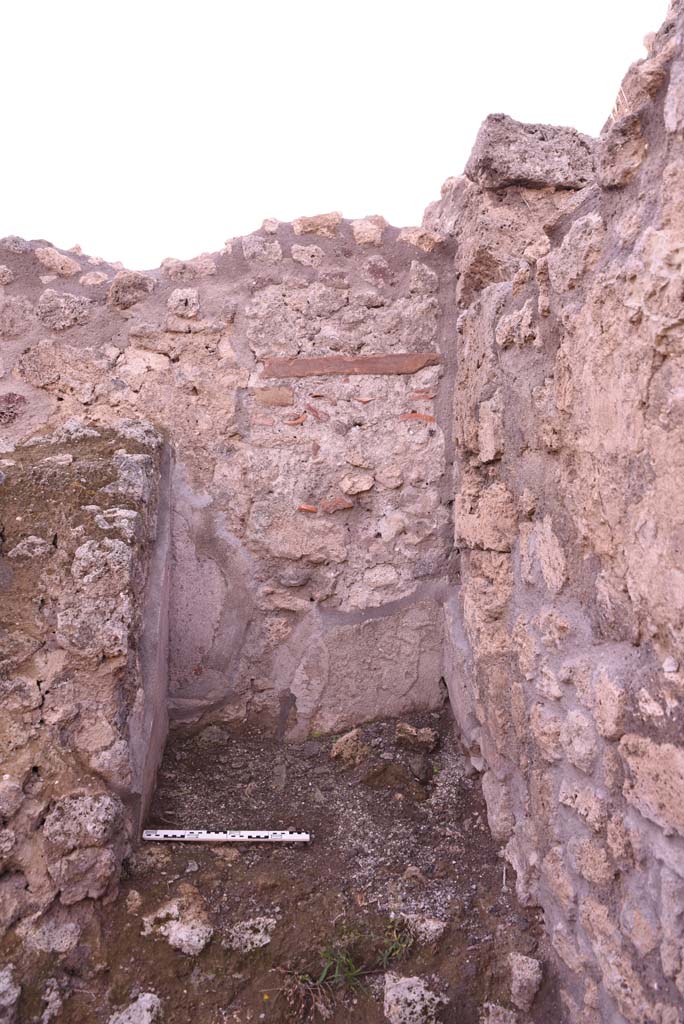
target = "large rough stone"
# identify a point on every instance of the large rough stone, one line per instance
(16, 316)
(655, 780)
(143, 1010)
(83, 821)
(84, 874)
(262, 250)
(507, 152)
(325, 224)
(500, 815)
(674, 100)
(61, 310)
(182, 921)
(11, 796)
(9, 995)
(485, 518)
(619, 974)
(128, 288)
(368, 230)
(53, 932)
(422, 238)
(308, 255)
(349, 748)
(184, 302)
(410, 1001)
(526, 977)
(620, 151)
(254, 933)
(578, 252)
(189, 270)
(424, 739)
(58, 262)
(579, 741)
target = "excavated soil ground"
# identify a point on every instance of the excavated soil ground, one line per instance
(403, 832)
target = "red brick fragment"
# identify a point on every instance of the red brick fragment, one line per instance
(318, 366)
(318, 414)
(337, 504)
(422, 416)
(308, 508)
(362, 401)
(295, 422)
(422, 394)
(274, 396)
(263, 421)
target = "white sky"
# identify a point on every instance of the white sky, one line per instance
(149, 128)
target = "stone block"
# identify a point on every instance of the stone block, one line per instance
(508, 152)
(655, 781)
(128, 288)
(58, 262)
(485, 518)
(325, 224)
(526, 977)
(620, 151)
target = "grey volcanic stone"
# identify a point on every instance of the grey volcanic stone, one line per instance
(129, 287)
(82, 821)
(9, 995)
(143, 1010)
(508, 152)
(60, 311)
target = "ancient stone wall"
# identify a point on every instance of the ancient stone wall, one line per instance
(85, 540)
(565, 637)
(449, 452)
(297, 374)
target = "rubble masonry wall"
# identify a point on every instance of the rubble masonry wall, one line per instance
(400, 457)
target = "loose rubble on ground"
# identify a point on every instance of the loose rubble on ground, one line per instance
(401, 892)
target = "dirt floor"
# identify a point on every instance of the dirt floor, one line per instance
(401, 876)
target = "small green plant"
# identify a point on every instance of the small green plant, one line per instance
(398, 943)
(306, 997)
(310, 995)
(340, 969)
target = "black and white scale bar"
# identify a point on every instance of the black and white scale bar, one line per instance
(185, 835)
